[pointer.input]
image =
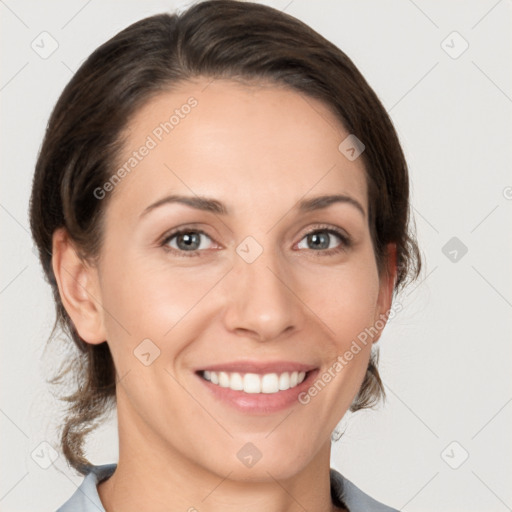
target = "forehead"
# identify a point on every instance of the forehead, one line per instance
(238, 142)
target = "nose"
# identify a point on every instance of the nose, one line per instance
(260, 299)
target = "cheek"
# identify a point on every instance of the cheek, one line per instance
(345, 298)
(147, 298)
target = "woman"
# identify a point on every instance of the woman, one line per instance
(221, 207)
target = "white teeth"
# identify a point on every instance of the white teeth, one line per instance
(284, 381)
(255, 383)
(252, 383)
(236, 382)
(269, 383)
(223, 379)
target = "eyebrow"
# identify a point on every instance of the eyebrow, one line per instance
(317, 203)
(197, 202)
(214, 206)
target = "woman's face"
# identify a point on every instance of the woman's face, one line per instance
(262, 279)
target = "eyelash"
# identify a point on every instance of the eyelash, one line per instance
(346, 241)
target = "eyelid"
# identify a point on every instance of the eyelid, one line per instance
(329, 228)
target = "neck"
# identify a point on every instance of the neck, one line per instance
(151, 475)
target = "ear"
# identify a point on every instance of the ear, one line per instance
(78, 288)
(386, 287)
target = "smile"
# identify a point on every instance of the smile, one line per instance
(268, 383)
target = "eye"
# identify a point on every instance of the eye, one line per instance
(326, 240)
(190, 242)
(187, 241)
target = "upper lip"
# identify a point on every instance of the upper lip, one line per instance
(260, 367)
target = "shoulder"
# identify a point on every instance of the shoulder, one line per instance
(86, 497)
(345, 493)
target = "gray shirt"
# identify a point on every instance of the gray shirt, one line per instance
(343, 493)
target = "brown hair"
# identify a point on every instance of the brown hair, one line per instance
(83, 140)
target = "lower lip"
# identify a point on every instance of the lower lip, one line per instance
(260, 403)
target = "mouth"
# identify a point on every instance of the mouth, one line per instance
(251, 383)
(260, 391)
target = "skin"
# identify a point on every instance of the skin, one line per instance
(259, 150)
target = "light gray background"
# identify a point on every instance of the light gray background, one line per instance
(445, 359)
